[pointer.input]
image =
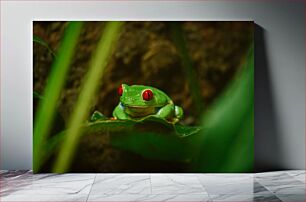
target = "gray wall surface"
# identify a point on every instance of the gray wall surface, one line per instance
(279, 74)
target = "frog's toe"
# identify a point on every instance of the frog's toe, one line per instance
(179, 113)
(175, 120)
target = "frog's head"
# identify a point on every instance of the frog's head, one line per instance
(139, 96)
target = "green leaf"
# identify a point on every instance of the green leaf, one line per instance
(150, 137)
(241, 153)
(42, 42)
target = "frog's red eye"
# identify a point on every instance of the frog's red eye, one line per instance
(147, 95)
(120, 90)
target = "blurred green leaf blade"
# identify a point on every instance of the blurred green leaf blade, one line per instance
(47, 107)
(224, 120)
(89, 88)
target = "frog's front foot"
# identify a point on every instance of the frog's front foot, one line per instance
(171, 113)
(177, 115)
(119, 113)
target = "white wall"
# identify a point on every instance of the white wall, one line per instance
(279, 84)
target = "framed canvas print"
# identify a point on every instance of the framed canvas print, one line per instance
(143, 96)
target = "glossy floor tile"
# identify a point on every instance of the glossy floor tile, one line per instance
(298, 175)
(286, 186)
(235, 184)
(50, 184)
(114, 184)
(176, 184)
(281, 183)
(41, 198)
(150, 198)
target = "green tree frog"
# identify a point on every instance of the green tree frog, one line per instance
(138, 101)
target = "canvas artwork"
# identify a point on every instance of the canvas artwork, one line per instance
(143, 96)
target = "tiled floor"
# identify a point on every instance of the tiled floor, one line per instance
(273, 186)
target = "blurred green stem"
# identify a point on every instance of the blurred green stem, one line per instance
(194, 87)
(47, 108)
(89, 88)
